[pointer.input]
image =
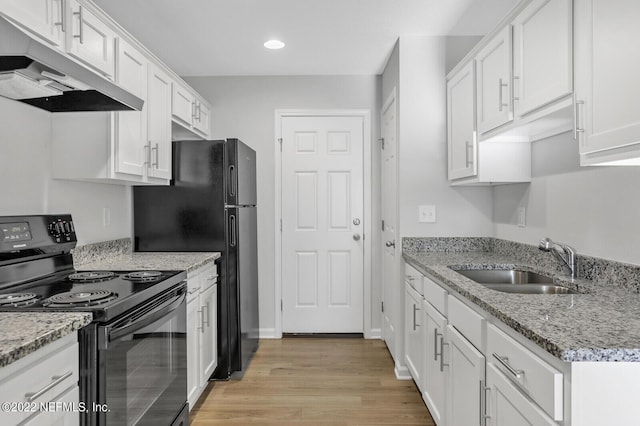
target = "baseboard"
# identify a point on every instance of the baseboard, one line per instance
(374, 333)
(402, 372)
(269, 333)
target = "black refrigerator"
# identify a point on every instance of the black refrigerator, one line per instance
(211, 206)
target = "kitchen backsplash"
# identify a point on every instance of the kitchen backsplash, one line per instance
(100, 251)
(591, 268)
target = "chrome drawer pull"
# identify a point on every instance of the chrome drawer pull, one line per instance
(505, 363)
(55, 381)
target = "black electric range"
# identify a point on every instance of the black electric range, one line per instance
(133, 353)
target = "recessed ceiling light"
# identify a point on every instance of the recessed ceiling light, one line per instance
(274, 44)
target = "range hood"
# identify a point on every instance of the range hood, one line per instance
(36, 74)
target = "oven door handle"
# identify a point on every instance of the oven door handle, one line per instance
(157, 312)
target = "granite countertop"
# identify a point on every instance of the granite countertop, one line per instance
(26, 332)
(151, 260)
(601, 323)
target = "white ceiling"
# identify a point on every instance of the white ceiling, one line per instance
(339, 37)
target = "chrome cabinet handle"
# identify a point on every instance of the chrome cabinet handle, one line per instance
(55, 381)
(505, 363)
(483, 403)
(193, 110)
(62, 23)
(201, 312)
(80, 15)
(205, 309)
(468, 158)
(442, 345)
(415, 324)
(156, 156)
(435, 344)
(576, 114)
(514, 97)
(147, 153)
(199, 109)
(500, 86)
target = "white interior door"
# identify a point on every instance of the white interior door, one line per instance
(390, 295)
(322, 224)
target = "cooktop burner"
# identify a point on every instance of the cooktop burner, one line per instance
(143, 276)
(18, 299)
(92, 276)
(79, 298)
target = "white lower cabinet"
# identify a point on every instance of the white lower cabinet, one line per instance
(414, 341)
(465, 379)
(202, 339)
(47, 377)
(509, 406)
(435, 371)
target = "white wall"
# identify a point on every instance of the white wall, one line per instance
(423, 149)
(244, 107)
(27, 186)
(594, 209)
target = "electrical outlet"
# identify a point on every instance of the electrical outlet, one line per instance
(522, 217)
(427, 214)
(106, 216)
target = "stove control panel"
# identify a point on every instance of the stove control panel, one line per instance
(47, 233)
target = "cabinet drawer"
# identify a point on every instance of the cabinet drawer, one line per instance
(39, 377)
(435, 295)
(208, 276)
(539, 380)
(413, 278)
(466, 320)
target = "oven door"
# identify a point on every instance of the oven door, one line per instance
(142, 364)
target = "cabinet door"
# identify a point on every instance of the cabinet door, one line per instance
(209, 341)
(465, 380)
(45, 18)
(183, 105)
(194, 325)
(434, 372)
(91, 40)
(493, 75)
(159, 122)
(203, 119)
(131, 126)
(607, 64)
(414, 341)
(542, 46)
(508, 406)
(461, 124)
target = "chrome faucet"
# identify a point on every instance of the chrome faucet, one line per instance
(567, 255)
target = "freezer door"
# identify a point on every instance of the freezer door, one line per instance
(240, 175)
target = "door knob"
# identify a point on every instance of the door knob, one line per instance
(390, 244)
(356, 237)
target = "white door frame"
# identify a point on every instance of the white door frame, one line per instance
(367, 236)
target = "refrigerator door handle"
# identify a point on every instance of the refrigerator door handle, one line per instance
(233, 181)
(232, 231)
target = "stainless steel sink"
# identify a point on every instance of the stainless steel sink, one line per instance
(515, 281)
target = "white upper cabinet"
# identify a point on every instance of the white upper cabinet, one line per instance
(44, 18)
(159, 122)
(191, 115)
(461, 129)
(494, 89)
(542, 55)
(607, 91)
(130, 131)
(90, 40)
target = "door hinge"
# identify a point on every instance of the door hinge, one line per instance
(382, 303)
(281, 305)
(280, 140)
(381, 142)
(280, 225)
(383, 224)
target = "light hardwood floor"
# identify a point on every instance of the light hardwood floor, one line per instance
(315, 381)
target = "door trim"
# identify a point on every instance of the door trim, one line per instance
(367, 208)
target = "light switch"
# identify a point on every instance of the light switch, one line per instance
(427, 214)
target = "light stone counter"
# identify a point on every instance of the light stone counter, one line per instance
(24, 332)
(601, 323)
(151, 261)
